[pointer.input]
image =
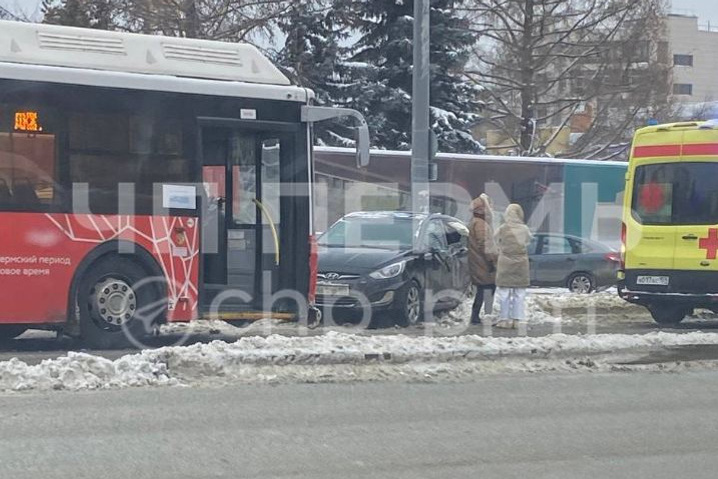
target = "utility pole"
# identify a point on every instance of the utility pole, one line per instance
(420, 109)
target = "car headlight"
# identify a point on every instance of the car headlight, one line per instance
(391, 271)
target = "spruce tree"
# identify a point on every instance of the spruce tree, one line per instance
(378, 75)
(310, 56)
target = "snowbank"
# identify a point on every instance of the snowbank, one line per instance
(253, 357)
(559, 305)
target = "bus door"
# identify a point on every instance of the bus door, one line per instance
(241, 218)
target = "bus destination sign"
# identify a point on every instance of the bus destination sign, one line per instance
(27, 121)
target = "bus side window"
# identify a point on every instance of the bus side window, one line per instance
(27, 171)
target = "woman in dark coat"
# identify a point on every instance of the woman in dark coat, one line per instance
(482, 255)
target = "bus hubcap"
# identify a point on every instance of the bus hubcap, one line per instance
(115, 300)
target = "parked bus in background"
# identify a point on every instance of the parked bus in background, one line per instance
(577, 197)
(146, 179)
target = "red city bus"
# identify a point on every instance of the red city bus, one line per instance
(146, 179)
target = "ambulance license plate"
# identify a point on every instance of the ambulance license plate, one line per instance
(653, 280)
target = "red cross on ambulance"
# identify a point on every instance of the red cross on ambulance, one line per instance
(710, 244)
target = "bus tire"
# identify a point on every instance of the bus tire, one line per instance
(668, 314)
(111, 310)
(11, 331)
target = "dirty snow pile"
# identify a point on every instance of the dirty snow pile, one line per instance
(559, 302)
(554, 306)
(84, 371)
(256, 358)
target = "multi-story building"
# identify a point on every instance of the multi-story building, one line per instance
(693, 46)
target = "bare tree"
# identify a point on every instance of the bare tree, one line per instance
(228, 20)
(546, 64)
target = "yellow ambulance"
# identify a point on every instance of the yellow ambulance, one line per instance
(670, 221)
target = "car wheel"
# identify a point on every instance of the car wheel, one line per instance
(411, 307)
(114, 310)
(581, 283)
(11, 331)
(667, 314)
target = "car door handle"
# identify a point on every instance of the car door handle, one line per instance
(690, 237)
(570, 259)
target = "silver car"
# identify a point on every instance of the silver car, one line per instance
(579, 264)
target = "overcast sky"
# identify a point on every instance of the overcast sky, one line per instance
(707, 10)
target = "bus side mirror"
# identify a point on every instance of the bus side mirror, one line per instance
(362, 142)
(313, 114)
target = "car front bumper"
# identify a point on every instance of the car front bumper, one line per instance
(362, 293)
(644, 298)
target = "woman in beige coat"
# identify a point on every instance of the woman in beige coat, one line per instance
(512, 269)
(482, 256)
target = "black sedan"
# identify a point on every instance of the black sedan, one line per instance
(393, 261)
(579, 264)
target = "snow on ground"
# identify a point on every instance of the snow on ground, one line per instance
(217, 327)
(544, 305)
(261, 355)
(327, 358)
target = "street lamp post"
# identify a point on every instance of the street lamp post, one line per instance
(420, 147)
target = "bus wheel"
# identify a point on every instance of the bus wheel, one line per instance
(116, 310)
(667, 314)
(11, 331)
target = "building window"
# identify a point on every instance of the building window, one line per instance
(642, 52)
(682, 89)
(683, 60)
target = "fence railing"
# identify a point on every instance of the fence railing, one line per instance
(708, 27)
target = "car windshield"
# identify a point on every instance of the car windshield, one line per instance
(370, 232)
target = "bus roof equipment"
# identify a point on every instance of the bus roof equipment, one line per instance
(53, 45)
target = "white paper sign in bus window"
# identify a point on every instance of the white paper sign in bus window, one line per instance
(182, 197)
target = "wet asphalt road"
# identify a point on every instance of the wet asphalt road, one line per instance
(541, 426)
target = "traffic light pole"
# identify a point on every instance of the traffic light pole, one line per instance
(420, 144)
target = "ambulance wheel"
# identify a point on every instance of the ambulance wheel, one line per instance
(118, 308)
(11, 331)
(668, 314)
